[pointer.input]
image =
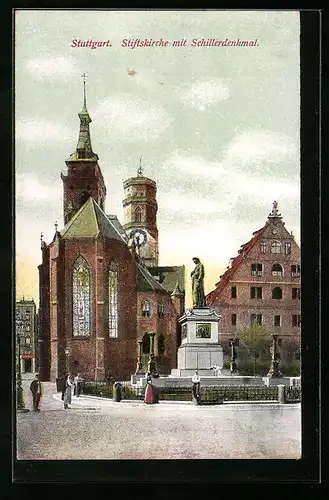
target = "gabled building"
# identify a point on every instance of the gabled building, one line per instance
(262, 285)
(98, 299)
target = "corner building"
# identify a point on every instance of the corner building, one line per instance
(262, 285)
(98, 298)
(26, 326)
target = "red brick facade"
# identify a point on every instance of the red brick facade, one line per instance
(99, 241)
(248, 286)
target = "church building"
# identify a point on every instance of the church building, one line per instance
(101, 289)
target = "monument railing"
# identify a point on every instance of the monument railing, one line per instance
(209, 394)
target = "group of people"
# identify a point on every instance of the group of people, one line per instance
(70, 385)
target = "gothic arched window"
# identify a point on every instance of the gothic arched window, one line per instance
(277, 270)
(81, 298)
(146, 308)
(276, 247)
(277, 293)
(138, 214)
(113, 300)
(160, 310)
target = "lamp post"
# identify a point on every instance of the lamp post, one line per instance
(274, 368)
(232, 344)
(151, 363)
(67, 353)
(139, 367)
(20, 405)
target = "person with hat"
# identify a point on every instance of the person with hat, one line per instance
(36, 390)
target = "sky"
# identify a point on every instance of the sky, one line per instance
(217, 127)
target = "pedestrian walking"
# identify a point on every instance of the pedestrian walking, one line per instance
(67, 396)
(36, 390)
(196, 387)
(149, 392)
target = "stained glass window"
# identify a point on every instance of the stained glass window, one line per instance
(81, 298)
(113, 300)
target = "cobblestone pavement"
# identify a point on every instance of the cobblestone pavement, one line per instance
(98, 429)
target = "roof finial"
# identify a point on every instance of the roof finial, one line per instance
(275, 212)
(140, 168)
(56, 226)
(84, 90)
(84, 149)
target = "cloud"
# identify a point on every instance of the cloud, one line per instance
(194, 166)
(204, 93)
(43, 132)
(131, 119)
(29, 188)
(58, 68)
(175, 201)
(259, 148)
(222, 192)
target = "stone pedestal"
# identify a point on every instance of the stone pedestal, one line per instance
(200, 348)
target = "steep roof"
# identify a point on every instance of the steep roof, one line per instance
(116, 223)
(168, 276)
(224, 279)
(146, 282)
(89, 222)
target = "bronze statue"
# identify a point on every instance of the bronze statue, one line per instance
(197, 275)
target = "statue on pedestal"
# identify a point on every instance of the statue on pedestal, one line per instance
(197, 275)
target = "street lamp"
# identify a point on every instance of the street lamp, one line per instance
(274, 369)
(139, 367)
(232, 344)
(67, 353)
(20, 405)
(151, 367)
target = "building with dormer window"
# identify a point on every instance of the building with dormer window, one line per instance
(262, 286)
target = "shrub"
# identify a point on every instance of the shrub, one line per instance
(248, 367)
(102, 389)
(290, 370)
(226, 364)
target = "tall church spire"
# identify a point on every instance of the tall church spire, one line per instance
(84, 149)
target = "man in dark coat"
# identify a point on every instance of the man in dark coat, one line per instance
(36, 390)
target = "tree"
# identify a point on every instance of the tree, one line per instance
(255, 339)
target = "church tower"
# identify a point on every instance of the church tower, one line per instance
(83, 177)
(140, 216)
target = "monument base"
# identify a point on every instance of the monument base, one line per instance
(201, 357)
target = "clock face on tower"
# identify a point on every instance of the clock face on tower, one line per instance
(139, 236)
